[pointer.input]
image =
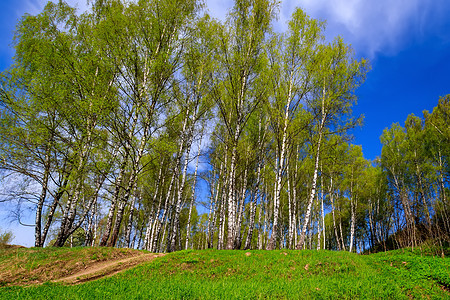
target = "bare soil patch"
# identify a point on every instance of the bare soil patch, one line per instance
(29, 266)
(107, 268)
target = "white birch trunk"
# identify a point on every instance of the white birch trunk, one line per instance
(319, 230)
(253, 205)
(342, 233)
(290, 211)
(280, 168)
(130, 223)
(150, 246)
(353, 219)
(188, 230)
(323, 211)
(38, 240)
(221, 237)
(152, 216)
(314, 181)
(311, 196)
(215, 209)
(231, 196)
(162, 222)
(331, 193)
(238, 236)
(262, 210)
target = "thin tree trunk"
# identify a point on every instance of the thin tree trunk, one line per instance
(211, 218)
(407, 211)
(238, 233)
(156, 222)
(70, 210)
(271, 245)
(38, 220)
(253, 205)
(269, 203)
(221, 237)
(323, 211)
(422, 196)
(290, 211)
(231, 196)
(95, 219)
(92, 231)
(294, 218)
(112, 208)
(442, 195)
(330, 192)
(319, 230)
(342, 233)
(260, 225)
(188, 230)
(153, 214)
(168, 218)
(311, 197)
(314, 181)
(215, 206)
(130, 222)
(294, 198)
(53, 207)
(119, 215)
(155, 236)
(223, 202)
(67, 228)
(353, 217)
(185, 146)
(163, 238)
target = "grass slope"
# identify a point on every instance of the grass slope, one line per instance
(24, 266)
(213, 274)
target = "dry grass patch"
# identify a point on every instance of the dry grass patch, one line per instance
(25, 266)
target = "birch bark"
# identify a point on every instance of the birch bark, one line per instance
(188, 230)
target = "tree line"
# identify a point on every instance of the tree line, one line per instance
(104, 117)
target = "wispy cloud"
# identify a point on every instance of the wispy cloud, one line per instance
(11, 14)
(34, 7)
(371, 26)
(374, 26)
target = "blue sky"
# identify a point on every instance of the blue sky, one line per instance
(408, 45)
(406, 41)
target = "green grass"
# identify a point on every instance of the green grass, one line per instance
(213, 274)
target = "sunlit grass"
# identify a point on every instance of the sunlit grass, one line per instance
(213, 274)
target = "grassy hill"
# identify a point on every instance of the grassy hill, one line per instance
(212, 274)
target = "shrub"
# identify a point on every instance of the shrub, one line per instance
(5, 239)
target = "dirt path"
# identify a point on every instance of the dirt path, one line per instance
(108, 268)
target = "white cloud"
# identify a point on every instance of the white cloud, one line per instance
(373, 26)
(218, 9)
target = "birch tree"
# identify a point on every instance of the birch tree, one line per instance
(337, 75)
(238, 90)
(291, 64)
